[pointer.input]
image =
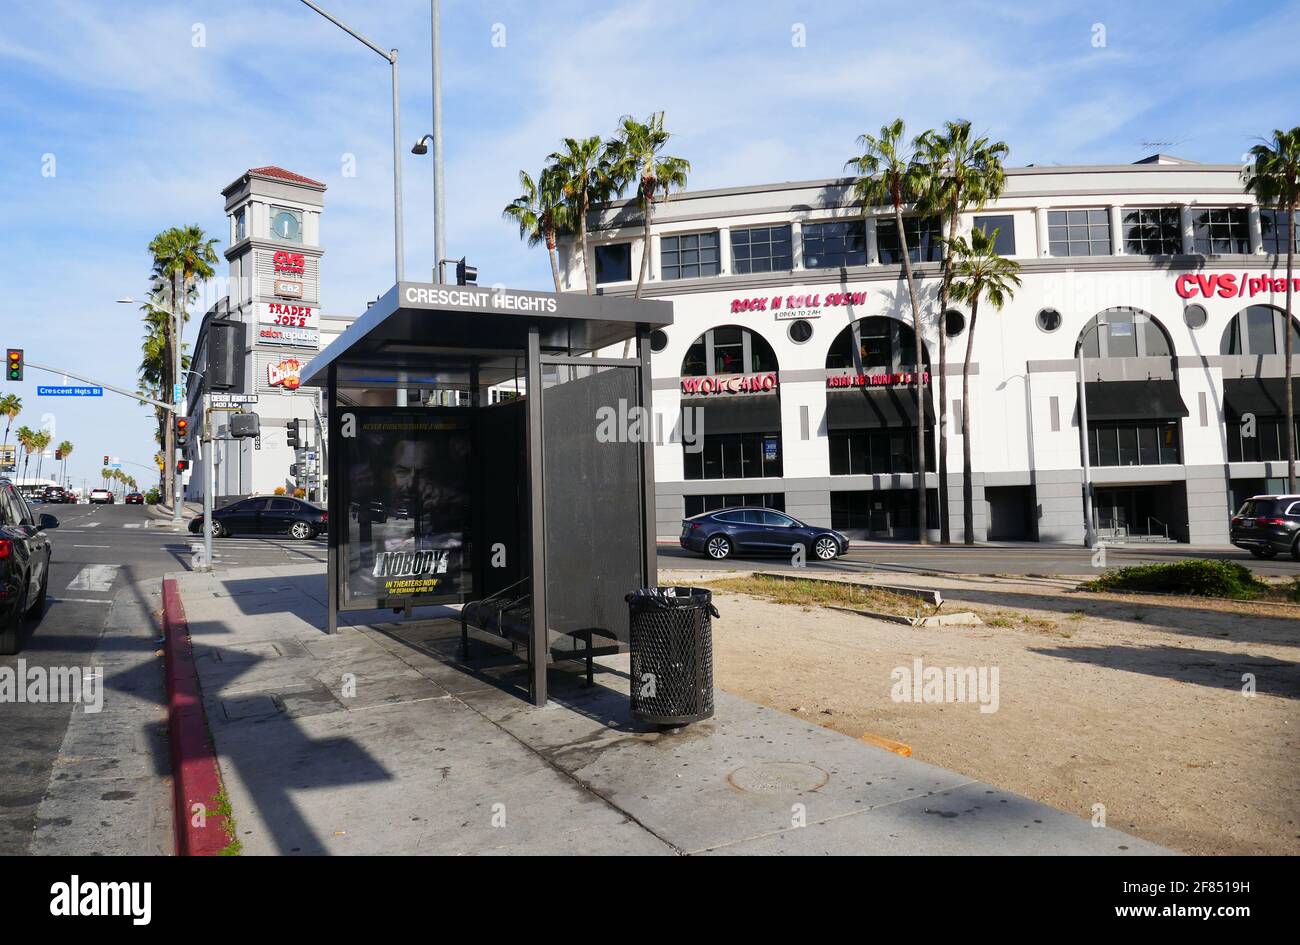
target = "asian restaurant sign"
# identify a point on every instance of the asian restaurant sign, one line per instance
(730, 384)
(1229, 285)
(797, 305)
(897, 379)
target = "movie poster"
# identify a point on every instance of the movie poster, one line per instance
(408, 505)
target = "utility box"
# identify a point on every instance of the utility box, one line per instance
(244, 424)
(225, 367)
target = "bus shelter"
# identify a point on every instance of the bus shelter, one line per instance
(493, 448)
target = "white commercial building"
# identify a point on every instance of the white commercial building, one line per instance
(792, 332)
(274, 252)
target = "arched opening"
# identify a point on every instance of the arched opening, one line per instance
(1134, 419)
(1256, 330)
(871, 421)
(730, 421)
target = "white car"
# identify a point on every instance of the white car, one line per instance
(101, 495)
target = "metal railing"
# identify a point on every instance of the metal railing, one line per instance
(1165, 525)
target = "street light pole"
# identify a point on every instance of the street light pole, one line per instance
(436, 42)
(391, 57)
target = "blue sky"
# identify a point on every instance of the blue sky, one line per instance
(146, 124)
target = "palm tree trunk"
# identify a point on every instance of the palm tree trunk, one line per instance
(588, 264)
(945, 530)
(967, 488)
(555, 262)
(645, 245)
(1290, 406)
(922, 528)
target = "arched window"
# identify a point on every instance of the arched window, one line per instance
(1125, 333)
(878, 342)
(729, 349)
(1258, 330)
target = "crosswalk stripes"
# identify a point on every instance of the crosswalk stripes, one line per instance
(94, 577)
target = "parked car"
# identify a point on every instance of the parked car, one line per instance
(1267, 525)
(266, 515)
(101, 496)
(134, 498)
(723, 533)
(24, 564)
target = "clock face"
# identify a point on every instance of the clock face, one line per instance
(287, 225)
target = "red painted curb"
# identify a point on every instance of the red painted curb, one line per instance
(196, 778)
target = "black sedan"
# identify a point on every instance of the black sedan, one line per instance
(723, 533)
(24, 564)
(1268, 525)
(266, 515)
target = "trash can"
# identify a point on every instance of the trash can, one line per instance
(671, 643)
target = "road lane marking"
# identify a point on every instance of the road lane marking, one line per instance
(78, 600)
(92, 546)
(93, 524)
(94, 577)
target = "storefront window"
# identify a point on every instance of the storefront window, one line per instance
(1079, 232)
(692, 256)
(834, 243)
(1274, 227)
(735, 456)
(1267, 443)
(761, 249)
(1153, 231)
(698, 504)
(1221, 230)
(883, 344)
(1258, 330)
(613, 263)
(729, 349)
(868, 452)
(1124, 333)
(923, 240)
(1134, 443)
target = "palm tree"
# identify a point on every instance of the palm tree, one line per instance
(890, 175)
(1274, 179)
(104, 475)
(11, 405)
(541, 213)
(183, 256)
(65, 450)
(583, 170)
(42, 442)
(26, 438)
(979, 273)
(962, 173)
(633, 157)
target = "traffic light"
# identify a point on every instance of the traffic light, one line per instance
(14, 364)
(292, 438)
(105, 460)
(466, 275)
(182, 465)
(58, 455)
(182, 431)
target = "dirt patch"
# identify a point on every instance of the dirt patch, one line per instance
(826, 594)
(1134, 702)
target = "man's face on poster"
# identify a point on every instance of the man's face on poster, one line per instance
(413, 476)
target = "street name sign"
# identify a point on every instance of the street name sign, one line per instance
(68, 390)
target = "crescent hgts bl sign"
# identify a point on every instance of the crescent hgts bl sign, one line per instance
(730, 384)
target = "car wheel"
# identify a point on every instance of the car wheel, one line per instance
(218, 530)
(301, 531)
(826, 548)
(1264, 553)
(718, 547)
(11, 637)
(1295, 549)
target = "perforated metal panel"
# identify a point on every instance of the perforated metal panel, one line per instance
(592, 500)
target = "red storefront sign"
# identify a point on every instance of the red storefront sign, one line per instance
(730, 384)
(907, 378)
(289, 263)
(797, 303)
(1229, 285)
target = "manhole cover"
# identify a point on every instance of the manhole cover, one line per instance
(778, 777)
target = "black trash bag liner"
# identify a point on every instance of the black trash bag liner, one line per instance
(672, 598)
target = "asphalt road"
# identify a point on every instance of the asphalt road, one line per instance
(1018, 558)
(101, 554)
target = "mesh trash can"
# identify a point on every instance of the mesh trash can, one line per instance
(671, 643)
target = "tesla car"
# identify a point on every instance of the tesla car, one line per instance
(24, 564)
(266, 515)
(749, 530)
(1268, 525)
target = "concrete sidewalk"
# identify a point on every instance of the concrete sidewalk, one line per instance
(378, 740)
